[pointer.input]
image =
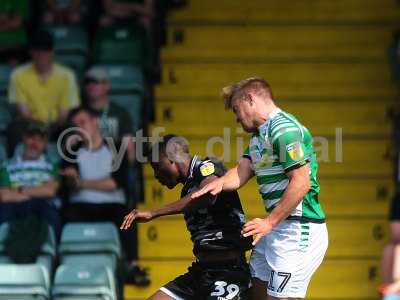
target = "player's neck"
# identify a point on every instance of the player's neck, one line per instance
(262, 114)
(184, 170)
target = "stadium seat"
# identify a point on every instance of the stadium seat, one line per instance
(24, 282)
(75, 61)
(69, 39)
(125, 79)
(71, 46)
(132, 103)
(121, 44)
(47, 254)
(91, 240)
(75, 282)
(89, 259)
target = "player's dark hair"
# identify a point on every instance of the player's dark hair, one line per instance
(173, 146)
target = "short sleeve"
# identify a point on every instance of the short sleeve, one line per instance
(16, 93)
(290, 149)
(205, 169)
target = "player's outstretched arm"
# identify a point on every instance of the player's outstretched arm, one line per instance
(232, 180)
(136, 216)
(173, 208)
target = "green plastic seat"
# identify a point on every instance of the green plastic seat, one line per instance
(30, 281)
(84, 238)
(132, 103)
(69, 39)
(74, 61)
(124, 79)
(122, 44)
(47, 254)
(90, 259)
(84, 282)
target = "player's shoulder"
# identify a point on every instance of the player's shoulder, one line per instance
(209, 167)
(282, 123)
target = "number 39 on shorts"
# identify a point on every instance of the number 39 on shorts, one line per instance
(224, 291)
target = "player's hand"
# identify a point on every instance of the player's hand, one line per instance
(258, 228)
(213, 188)
(136, 216)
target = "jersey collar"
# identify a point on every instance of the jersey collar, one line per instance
(271, 115)
(192, 165)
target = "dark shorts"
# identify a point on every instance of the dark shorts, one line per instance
(212, 281)
(394, 214)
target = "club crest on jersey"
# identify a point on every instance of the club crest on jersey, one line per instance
(295, 151)
(207, 169)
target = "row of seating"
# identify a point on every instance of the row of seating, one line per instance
(115, 44)
(279, 12)
(89, 254)
(295, 80)
(354, 121)
(372, 194)
(303, 42)
(127, 89)
(171, 233)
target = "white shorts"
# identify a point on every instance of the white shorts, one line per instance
(288, 257)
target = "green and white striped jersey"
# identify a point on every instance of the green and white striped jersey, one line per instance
(283, 144)
(18, 172)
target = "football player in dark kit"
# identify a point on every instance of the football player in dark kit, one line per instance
(220, 270)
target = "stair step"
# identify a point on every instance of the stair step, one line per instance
(283, 42)
(314, 80)
(361, 198)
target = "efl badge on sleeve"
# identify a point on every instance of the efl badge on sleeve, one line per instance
(207, 169)
(295, 151)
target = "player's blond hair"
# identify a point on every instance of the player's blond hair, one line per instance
(239, 89)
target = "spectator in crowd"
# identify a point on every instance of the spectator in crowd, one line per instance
(29, 182)
(62, 11)
(42, 89)
(126, 11)
(113, 120)
(13, 37)
(96, 178)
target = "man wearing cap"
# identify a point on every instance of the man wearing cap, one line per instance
(29, 181)
(113, 120)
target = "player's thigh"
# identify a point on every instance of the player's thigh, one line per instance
(160, 295)
(232, 281)
(259, 289)
(293, 260)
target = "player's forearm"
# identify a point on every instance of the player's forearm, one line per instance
(235, 179)
(294, 194)
(174, 208)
